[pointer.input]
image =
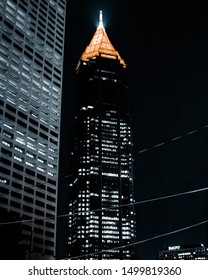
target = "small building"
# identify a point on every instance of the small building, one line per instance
(185, 252)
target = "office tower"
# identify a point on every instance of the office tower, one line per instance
(31, 68)
(185, 252)
(101, 215)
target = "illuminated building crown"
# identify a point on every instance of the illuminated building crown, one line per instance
(100, 45)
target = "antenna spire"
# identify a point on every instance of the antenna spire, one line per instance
(100, 20)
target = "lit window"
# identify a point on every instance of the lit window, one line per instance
(30, 164)
(18, 158)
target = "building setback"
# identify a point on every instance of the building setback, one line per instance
(101, 215)
(31, 69)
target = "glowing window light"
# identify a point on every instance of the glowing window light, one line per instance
(40, 169)
(40, 160)
(18, 159)
(109, 174)
(20, 140)
(30, 164)
(51, 174)
(11, 101)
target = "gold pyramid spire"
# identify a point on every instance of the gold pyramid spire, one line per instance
(100, 45)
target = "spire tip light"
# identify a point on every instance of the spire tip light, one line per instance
(100, 20)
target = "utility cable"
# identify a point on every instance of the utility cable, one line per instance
(139, 152)
(171, 140)
(142, 241)
(35, 186)
(106, 209)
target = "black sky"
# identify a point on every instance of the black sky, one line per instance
(165, 46)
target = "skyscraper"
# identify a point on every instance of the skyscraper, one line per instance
(31, 68)
(101, 215)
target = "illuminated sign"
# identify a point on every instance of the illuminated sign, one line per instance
(174, 247)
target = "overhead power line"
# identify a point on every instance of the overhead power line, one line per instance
(142, 241)
(162, 143)
(107, 208)
(43, 183)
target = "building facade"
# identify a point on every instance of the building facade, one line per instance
(101, 215)
(188, 252)
(31, 69)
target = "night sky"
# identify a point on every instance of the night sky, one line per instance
(165, 46)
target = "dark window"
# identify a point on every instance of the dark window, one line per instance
(28, 55)
(57, 77)
(30, 172)
(19, 33)
(52, 182)
(17, 176)
(22, 7)
(8, 24)
(27, 208)
(33, 122)
(17, 166)
(39, 203)
(29, 181)
(16, 194)
(39, 56)
(57, 84)
(49, 243)
(33, 130)
(4, 190)
(51, 190)
(10, 108)
(39, 222)
(5, 161)
(41, 177)
(32, 16)
(42, 195)
(40, 36)
(43, 135)
(22, 115)
(3, 200)
(38, 230)
(53, 141)
(28, 199)
(17, 47)
(15, 204)
(58, 71)
(48, 63)
(29, 190)
(49, 252)
(22, 123)
(29, 48)
(17, 185)
(50, 225)
(49, 43)
(44, 127)
(39, 212)
(38, 63)
(48, 70)
(10, 117)
(6, 38)
(51, 198)
(50, 207)
(48, 233)
(6, 152)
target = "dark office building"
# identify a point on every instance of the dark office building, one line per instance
(188, 252)
(101, 215)
(31, 69)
